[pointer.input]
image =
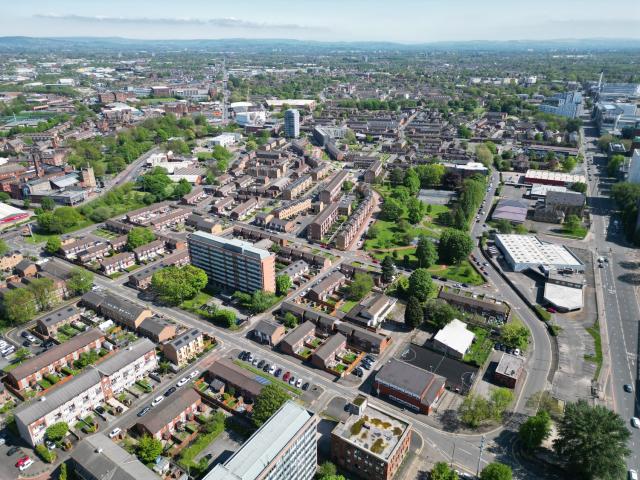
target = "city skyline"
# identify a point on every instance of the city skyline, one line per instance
(409, 21)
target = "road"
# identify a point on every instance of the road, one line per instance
(621, 312)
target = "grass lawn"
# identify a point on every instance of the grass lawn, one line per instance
(348, 305)
(480, 348)
(578, 233)
(349, 358)
(101, 232)
(463, 273)
(594, 331)
(196, 302)
(341, 367)
(271, 378)
(43, 237)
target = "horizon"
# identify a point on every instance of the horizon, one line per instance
(406, 22)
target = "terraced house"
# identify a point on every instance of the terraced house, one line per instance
(184, 347)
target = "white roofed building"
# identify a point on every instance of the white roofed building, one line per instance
(454, 339)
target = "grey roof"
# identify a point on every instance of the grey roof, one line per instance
(59, 315)
(167, 411)
(264, 446)
(126, 356)
(126, 307)
(56, 353)
(298, 333)
(234, 245)
(329, 347)
(575, 199)
(154, 326)
(328, 282)
(510, 365)
(267, 327)
(28, 413)
(410, 378)
(185, 338)
(105, 460)
(229, 372)
(93, 299)
(361, 334)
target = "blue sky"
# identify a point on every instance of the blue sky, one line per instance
(407, 21)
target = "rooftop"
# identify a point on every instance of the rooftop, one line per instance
(455, 336)
(528, 249)
(238, 246)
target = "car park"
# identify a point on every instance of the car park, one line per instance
(182, 381)
(144, 411)
(115, 432)
(157, 400)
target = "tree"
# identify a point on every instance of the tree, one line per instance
(60, 220)
(391, 210)
(397, 176)
(416, 210)
(454, 246)
(420, 284)
(440, 313)
(515, 334)
(283, 284)
(164, 367)
(156, 182)
(80, 281)
(431, 174)
(268, 401)
(4, 248)
(63, 472)
(411, 181)
(290, 320)
(139, 236)
(326, 469)
(413, 314)
(496, 471)
(568, 163)
(181, 188)
(53, 245)
(592, 440)
(148, 449)
(504, 226)
(426, 252)
(484, 155)
(22, 354)
(499, 400)
(442, 471)
(572, 222)
(19, 306)
(43, 292)
(474, 410)
(579, 187)
(360, 285)
(225, 317)
(57, 431)
(174, 284)
(614, 164)
(47, 204)
(535, 430)
(388, 269)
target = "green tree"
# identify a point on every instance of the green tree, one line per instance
(474, 410)
(22, 354)
(60, 220)
(430, 174)
(225, 317)
(496, 471)
(57, 431)
(593, 441)
(156, 182)
(426, 252)
(391, 210)
(270, 399)
(535, 430)
(440, 313)
(454, 246)
(43, 292)
(388, 268)
(360, 285)
(148, 449)
(499, 401)
(164, 367)
(572, 222)
(19, 306)
(63, 475)
(414, 313)
(80, 281)
(484, 155)
(442, 471)
(515, 334)
(415, 210)
(174, 284)
(47, 204)
(53, 245)
(290, 320)
(256, 302)
(568, 164)
(181, 188)
(421, 285)
(139, 236)
(614, 164)
(396, 177)
(283, 284)
(579, 187)
(4, 248)
(326, 469)
(504, 226)
(411, 181)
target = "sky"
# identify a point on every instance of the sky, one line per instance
(405, 21)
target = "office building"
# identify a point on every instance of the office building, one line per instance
(284, 448)
(232, 263)
(567, 104)
(292, 123)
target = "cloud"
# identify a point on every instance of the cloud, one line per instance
(229, 22)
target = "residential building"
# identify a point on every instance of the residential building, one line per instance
(332, 190)
(184, 347)
(352, 227)
(99, 458)
(322, 223)
(297, 187)
(163, 420)
(325, 355)
(295, 269)
(120, 261)
(116, 308)
(233, 263)
(150, 251)
(50, 323)
(283, 448)
(234, 377)
(244, 208)
(481, 304)
(293, 341)
(292, 209)
(373, 172)
(292, 123)
(322, 290)
(409, 385)
(156, 329)
(454, 339)
(371, 311)
(363, 339)
(32, 370)
(371, 444)
(125, 367)
(9, 260)
(266, 331)
(508, 370)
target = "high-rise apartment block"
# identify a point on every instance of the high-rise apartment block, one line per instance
(292, 123)
(232, 263)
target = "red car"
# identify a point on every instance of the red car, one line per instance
(286, 376)
(551, 310)
(22, 461)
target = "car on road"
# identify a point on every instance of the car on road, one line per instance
(157, 400)
(635, 421)
(628, 388)
(299, 383)
(25, 465)
(286, 376)
(144, 411)
(170, 391)
(115, 432)
(305, 387)
(194, 374)
(182, 381)
(633, 475)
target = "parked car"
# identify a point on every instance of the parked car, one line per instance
(157, 400)
(12, 451)
(144, 411)
(635, 421)
(25, 465)
(115, 432)
(305, 386)
(299, 383)
(100, 409)
(272, 369)
(266, 367)
(292, 380)
(628, 388)
(261, 364)
(286, 376)
(194, 374)
(22, 460)
(3, 440)
(633, 475)
(551, 310)
(365, 365)
(242, 355)
(182, 381)
(516, 352)
(278, 372)
(25, 334)
(170, 391)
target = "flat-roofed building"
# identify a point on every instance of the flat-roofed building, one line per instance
(283, 448)
(233, 263)
(547, 177)
(184, 347)
(409, 385)
(527, 251)
(162, 421)
(322, 223)
(508, 370)
(371, 444)
(454, 339)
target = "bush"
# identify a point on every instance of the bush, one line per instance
(45, 454)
